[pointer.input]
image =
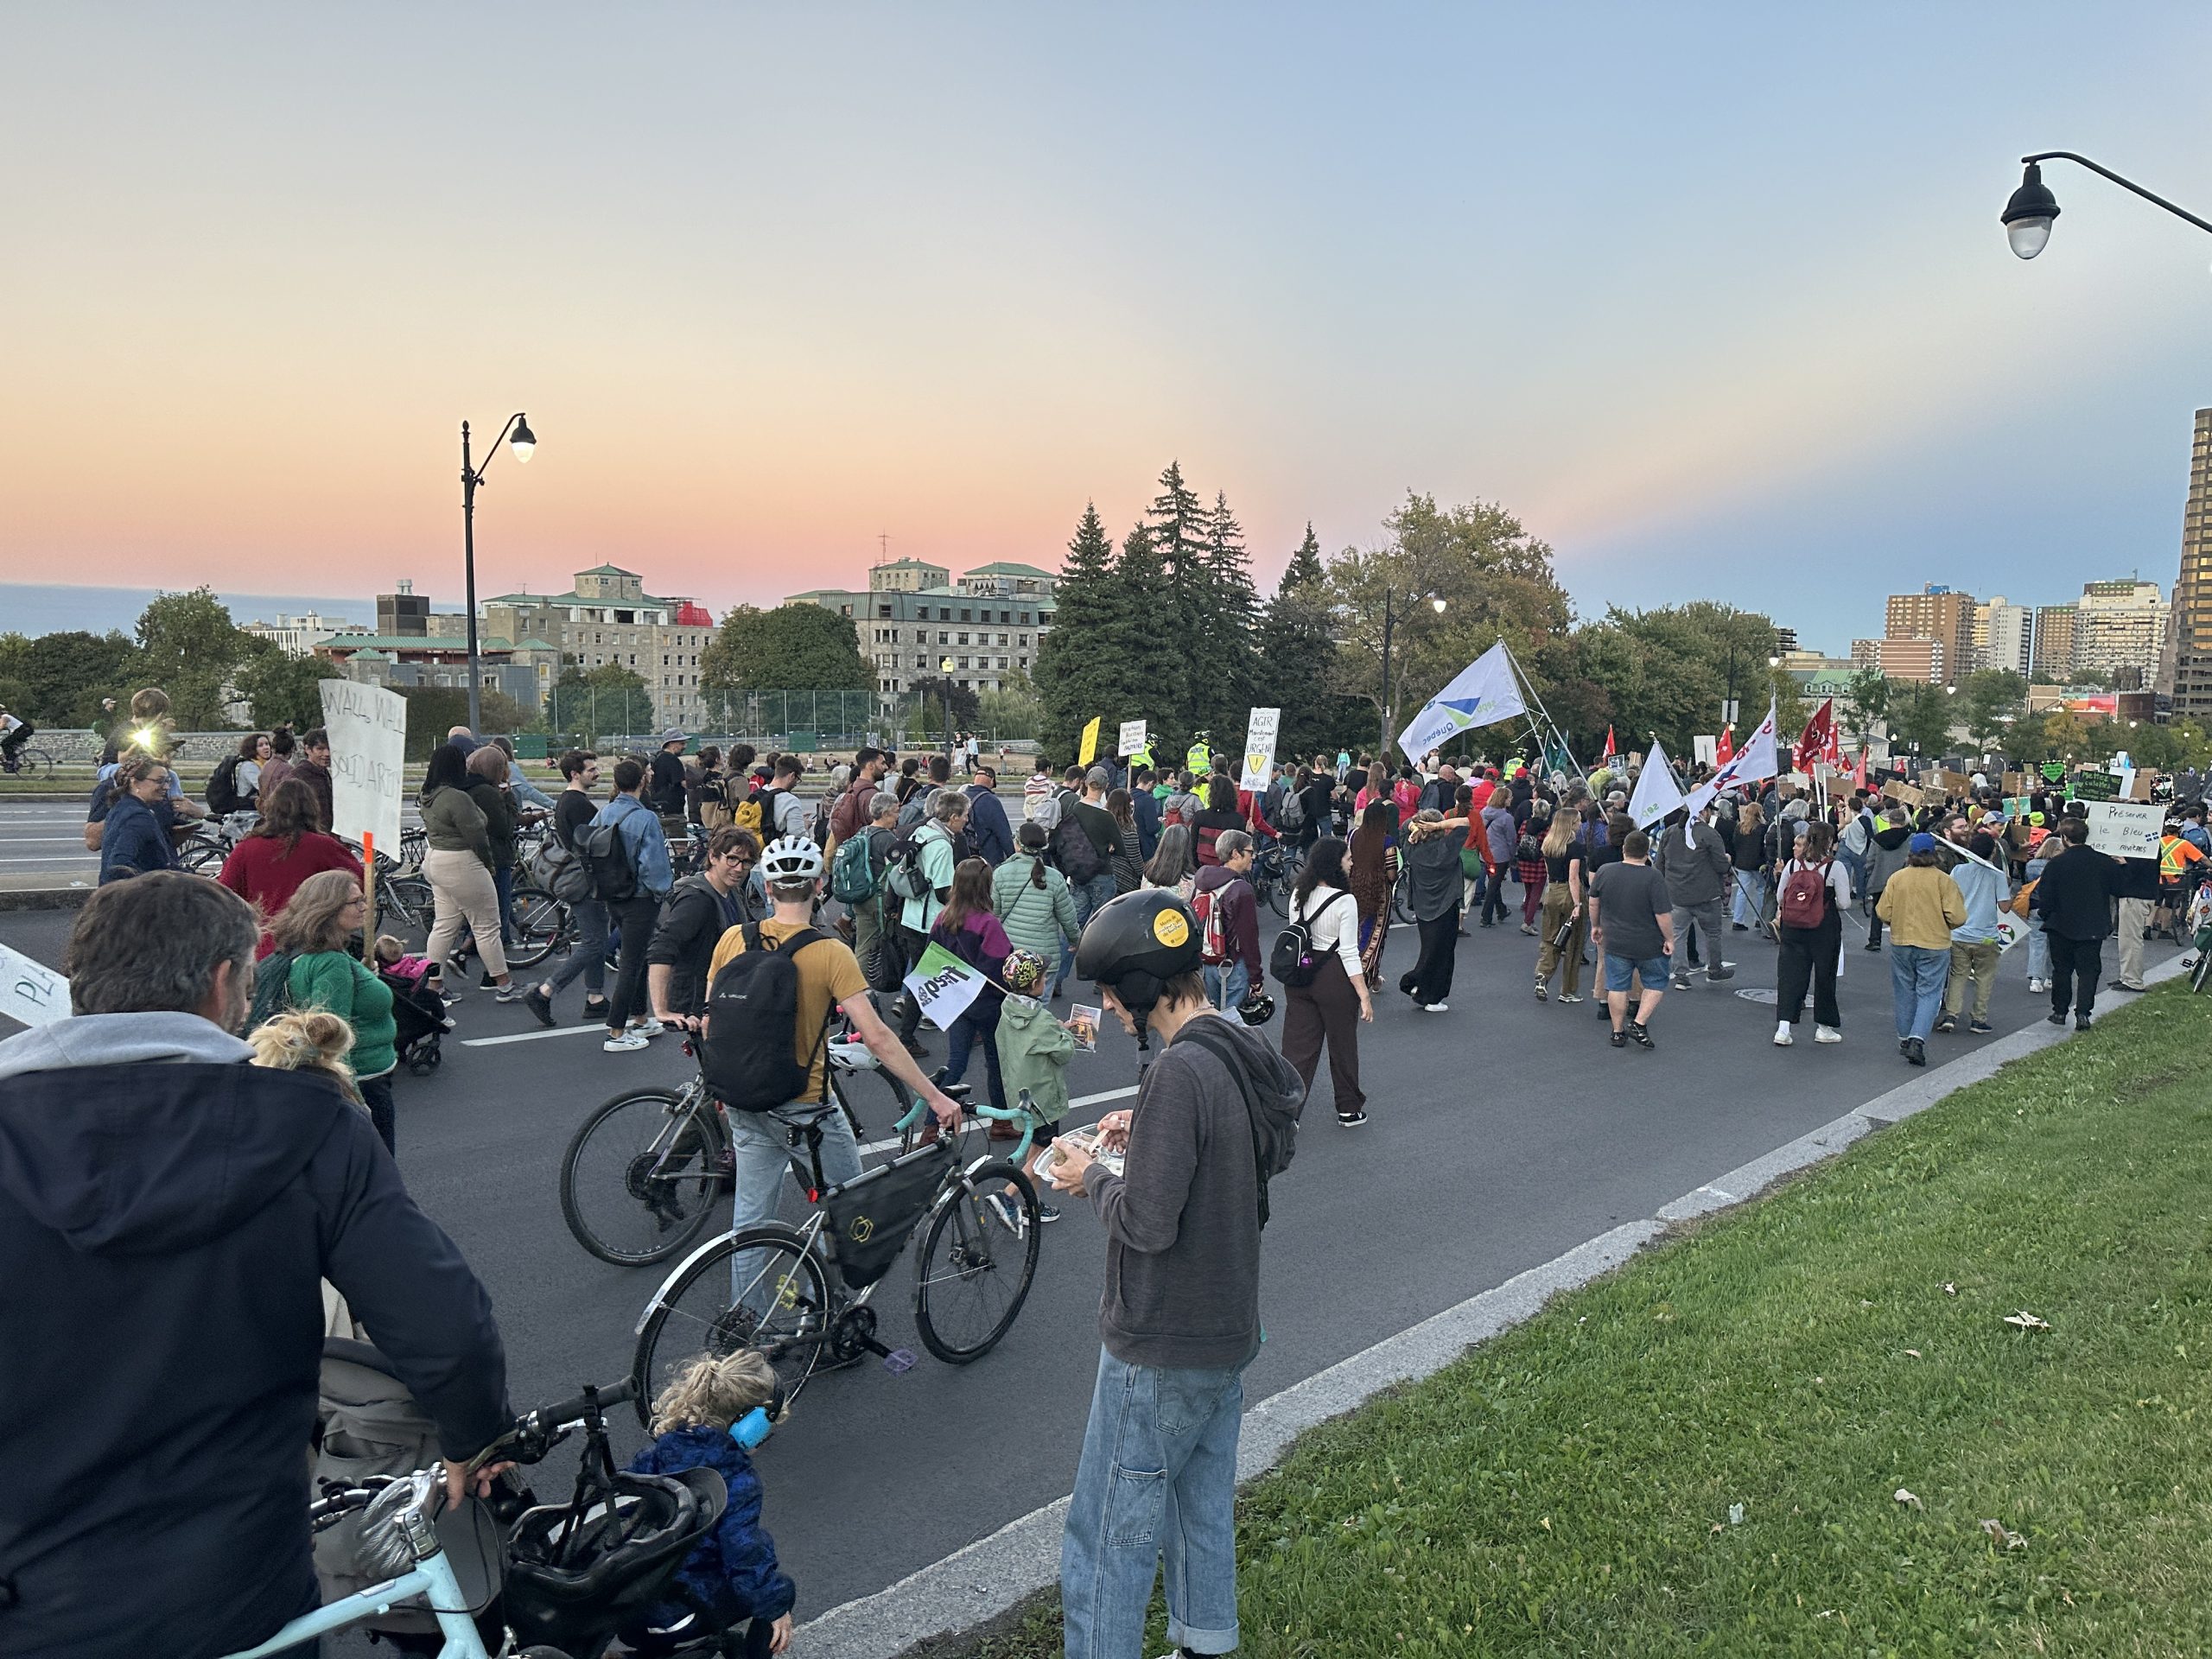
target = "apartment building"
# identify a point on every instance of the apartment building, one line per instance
(912, 619)
(2053, 648)
(2185, 666)
(2120, 628)
(608, 617)
(1937, 613)
(2004, 635)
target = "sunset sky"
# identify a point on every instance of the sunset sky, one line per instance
(1714, 297)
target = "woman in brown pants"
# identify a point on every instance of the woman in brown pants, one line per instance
(1564, 879)
(1371, 867)
(1335, 1003)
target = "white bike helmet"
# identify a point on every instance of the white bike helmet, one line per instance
(791, 858)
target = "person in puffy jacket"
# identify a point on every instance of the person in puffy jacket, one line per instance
(1034, 905)
(1499, 838)
(1884, 858)
(168, 1213)
(136, 838)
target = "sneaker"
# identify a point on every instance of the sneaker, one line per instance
(2081, 1022)
(1979, 1028)
(1529, 929)
(2038, 987)
(1783, 1037)
(1721, 971)
(2054, 1019)
(649, 1027)
(1916, 1051)
(456, 968)
(514, 991)
(1874, 945)
(541, 1005)
(628, 1043)
(1682, 981)
(1353, 1120)
(1619, 1039)
(1640, 1035)
(1541, 992)
(594, 1011)
(1569, 996)
(913, 1046)
(1046, 1215)
(2122, 985)
(1739, 927)
(1008, 1217)
(1947, 1023)
(1827, 1034)
(1436, 1007)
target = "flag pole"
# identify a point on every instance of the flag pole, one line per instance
(1529, 686)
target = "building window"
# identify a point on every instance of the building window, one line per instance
(965, 616)
(963, 663)
(943, 639)
(964, 639)
(943, 613)
(1024, 662)
(1025, 618)
(1025, 641)
(1001, 638)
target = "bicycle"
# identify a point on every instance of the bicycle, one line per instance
(641, 1173)
(32, 760)
(202, 851)
(1271, 877)
(400, 1518)
(767, 1286)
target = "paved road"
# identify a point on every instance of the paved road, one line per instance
(43, 845)
(1501, 1134)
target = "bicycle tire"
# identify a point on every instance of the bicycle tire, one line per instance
(2202, 976)
(700, 1311)
(33, 763)
(1402, 898)
(409, 898)
(1279, 893)
(670, 1209)
(959, 1260)
(200, 856)
(540, 923)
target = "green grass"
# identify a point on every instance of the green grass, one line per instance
(1571, 1487)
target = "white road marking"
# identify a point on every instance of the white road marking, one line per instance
(597, 1031)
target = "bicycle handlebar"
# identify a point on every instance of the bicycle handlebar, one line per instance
(570, 1411)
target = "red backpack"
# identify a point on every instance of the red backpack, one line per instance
(1804, 895)
(1213, 939)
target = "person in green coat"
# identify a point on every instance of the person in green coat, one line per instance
(1034, 1049)
(312, 931)
(1034, 905)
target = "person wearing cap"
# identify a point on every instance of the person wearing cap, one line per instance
(664, 784)
(1922, 905)
(1180, 1319)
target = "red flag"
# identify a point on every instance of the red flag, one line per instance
(1610, 750)
(1727, 751)
(1818, 731)
(1834, 752)
(1859, 778)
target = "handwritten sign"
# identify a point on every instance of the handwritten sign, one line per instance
(1260, 748)
(2124, 830)
(1132, 739)
(30, 992)
(368, 750)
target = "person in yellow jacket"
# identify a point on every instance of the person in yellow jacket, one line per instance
(1198, 759)
(1920, 904)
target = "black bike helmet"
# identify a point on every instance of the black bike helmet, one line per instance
(1256, 1010)
(575, 1593)
(1136, 943)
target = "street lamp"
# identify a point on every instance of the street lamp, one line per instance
(2029, 215)
(1437, 602)
(945, 667)
(518, 436)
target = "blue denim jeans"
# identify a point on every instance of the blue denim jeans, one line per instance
(760, 1141)
(1157, 1482)
(1227, 984)
(1089, 896)
(1750, 896)
(1917, 976)
(2039, 952)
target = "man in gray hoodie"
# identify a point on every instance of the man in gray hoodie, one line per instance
(1698, 870)
(1216, 1115)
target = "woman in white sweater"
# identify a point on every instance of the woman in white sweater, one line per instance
(1335, 1003)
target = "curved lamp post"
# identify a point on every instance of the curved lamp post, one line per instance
(2029, 215)
(518, 436)
(1437, 602)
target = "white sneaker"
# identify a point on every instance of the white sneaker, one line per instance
(1783, 1037)
(628, 1043)
(2037, 987)
(1437, 1007)
(1827, 1034)
(648, 1028)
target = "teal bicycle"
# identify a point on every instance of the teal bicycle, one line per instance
(770, 1287)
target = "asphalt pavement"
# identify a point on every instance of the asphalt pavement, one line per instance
(1501, 1134)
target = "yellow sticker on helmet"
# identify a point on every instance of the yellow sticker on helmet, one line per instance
(1170, 928)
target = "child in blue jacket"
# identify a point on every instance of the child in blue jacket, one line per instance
(732, 1575)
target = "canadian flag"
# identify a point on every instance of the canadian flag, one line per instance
(1610, 750)
(1727, 751)
(1819, 734)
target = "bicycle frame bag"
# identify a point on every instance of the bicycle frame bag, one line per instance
(370, 1425)
(875, 1212)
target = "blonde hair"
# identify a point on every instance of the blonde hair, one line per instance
(1559, 835)
(309, 921)
(714, 1393)
(386, 948)
(310, 1039)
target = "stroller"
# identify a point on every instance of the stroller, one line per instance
(420, 1014)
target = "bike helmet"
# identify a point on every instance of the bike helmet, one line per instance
(1256, 1010)
(791, 858)
(1135, 944)
(1023, 972)
(573, 1591)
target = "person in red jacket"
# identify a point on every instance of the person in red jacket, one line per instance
(266, 868)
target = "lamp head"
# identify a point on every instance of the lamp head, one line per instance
(2027, 217)
(522, 440)
(1438, 601)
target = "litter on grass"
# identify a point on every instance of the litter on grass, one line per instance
(1908, 1499)
(2027, 1321)
(2003, 1539)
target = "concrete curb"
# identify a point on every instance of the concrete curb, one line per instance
(996, 1573)
(44, 898)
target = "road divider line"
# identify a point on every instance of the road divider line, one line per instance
(599, 1032)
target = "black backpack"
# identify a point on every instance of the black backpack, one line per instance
(749, 1050)
(606, 856)
(1074, 850)
(1292, 961)
(223, 797)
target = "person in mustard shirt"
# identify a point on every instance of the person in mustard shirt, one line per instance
(1920, 904)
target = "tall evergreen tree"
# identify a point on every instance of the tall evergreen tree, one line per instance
(1176, 526)
(1080, 665)
(1154, 660)
(1224, 645)
(1295, 657)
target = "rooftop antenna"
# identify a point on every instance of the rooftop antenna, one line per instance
(883, 541)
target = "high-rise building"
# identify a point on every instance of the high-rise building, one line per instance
(2185, 668)
(1914, 658)
(988, 627)
(2054, 649)
(2120, 626)
(2004, 635)
(1866, 653)
(1935, 612)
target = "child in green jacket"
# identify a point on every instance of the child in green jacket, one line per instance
(1033, 1051)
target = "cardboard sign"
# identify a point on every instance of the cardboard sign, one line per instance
(1905, 794)
(30, 992)
(1090, 750)
(1132, 738)
(2136, 786)
(1953, 783)
(2015, 783)
(368, 750)
(1260, 748)
(2126, 830)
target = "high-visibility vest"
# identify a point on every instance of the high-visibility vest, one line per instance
(1198, 759)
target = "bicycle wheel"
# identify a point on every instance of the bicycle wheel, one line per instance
(641, 1175)
(972, 1273)
(2202, 976)
(1402, 898)
(541, 921)
(1278, 891)
(202, 856)
(410, 899)
(35, 763)
(761, 1289)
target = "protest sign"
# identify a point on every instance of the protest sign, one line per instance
(943, 985)
(30, 992)
(2094, 787)
(2126, 830)
(1260, 748)
(1090, 750)
(1953, 783)
(368, 750)
(1132, 738)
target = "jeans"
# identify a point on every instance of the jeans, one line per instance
(1751, 896)
(1916, 976)
(2039, 952)
(1089, 896)
(981, 1021)
(1493, 908)
(760, 1141)
(911, 945)
(502, 883)
(635, 917)
(587, 955)
(1228, 983)
(1157, 1482)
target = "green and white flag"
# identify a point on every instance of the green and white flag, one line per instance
(943, 985)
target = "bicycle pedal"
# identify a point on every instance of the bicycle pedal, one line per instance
(898, 1361)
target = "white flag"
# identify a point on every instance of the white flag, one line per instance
(1657, 793)
(943, 985)
(1754, 764)
(1482, 694)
